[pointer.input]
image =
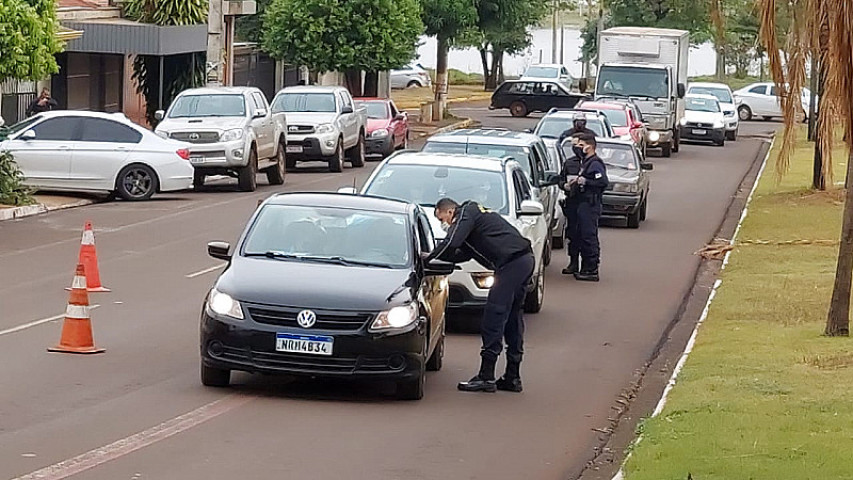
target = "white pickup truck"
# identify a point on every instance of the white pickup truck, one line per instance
(233, 131)
(323, 124)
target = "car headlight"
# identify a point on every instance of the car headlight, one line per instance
(719, 124)
(654, 136)
(231, 135)
(222, 304)
(381, 133)
(395, 319)
(483, 280)
(626, 187)
(325, 128)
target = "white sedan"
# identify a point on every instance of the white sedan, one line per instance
(96, 152)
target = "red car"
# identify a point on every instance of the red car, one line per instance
(387, 126)
(624, 118)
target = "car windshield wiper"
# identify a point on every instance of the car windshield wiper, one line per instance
(337, 260)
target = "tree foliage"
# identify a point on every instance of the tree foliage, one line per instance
(343, 35)
(690, 15)
(448, 19)
(28, 39)
(250, 27)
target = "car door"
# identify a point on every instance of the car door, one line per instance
(532, 228)
(546, 195)
(563, 99)
(755, 98)
(349, 120)
(261, 125)
(433, 288)
(774, 106)
(101, 152)
(398, 125)
(45, 159)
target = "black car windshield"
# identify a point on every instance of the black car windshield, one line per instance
(208, 106)
(541, 72)
(722, 94)
(632, 82)
(553, 127)
(701, 105)
(304, 102)
(426, 184)
(376, 109)
(613, 156)
(517, 153)
(333, 235)
(6, 132)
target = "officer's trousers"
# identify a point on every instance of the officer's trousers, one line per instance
(503, 317)
(589, 211)
(573, 238)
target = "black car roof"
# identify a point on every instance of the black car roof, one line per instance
(342, 200)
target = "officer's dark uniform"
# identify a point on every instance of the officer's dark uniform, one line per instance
(571, 167)
(489, 239)
(589, 211)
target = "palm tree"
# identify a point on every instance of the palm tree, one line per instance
(823, 28)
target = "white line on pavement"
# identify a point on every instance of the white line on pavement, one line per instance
(206, 270)
(130, 444)
(37, 323)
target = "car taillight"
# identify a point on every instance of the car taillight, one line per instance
(183, 153)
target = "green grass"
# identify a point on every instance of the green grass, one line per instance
(458, 77)
(764, 395)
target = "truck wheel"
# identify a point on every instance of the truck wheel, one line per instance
(198, 179)
(336, 161)
(676, 140)
(247, 177)
(731, 135)
(290, 162)
(634, 218)
(356, 153)
(666, 150)
(518, 109)
(276, 173)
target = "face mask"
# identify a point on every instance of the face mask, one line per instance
(445, 226)
(578, 151)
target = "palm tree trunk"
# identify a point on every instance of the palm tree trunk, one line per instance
(441, 78)
(838, 320)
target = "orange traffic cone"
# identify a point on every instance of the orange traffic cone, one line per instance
(77, 328)
(89, 258)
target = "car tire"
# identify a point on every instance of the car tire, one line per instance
(536, 298)
(436, 361)
(336, 161)
(518, 109)
(136, 182)
(546, 254)
(731, 135)
(277, 172)
(356, 153)
(289, 162)
(414, 84)
(744, 113)
(198, 179)
(666, 150)
(676, 140)
(643, 210)
(635, 218)
(413, 389)
(215, 377)
(766, 118)
(247, 177)
(721, 143)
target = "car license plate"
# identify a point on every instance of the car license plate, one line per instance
(311, 344)
(196, 159)
(293, 149)
(700, 132)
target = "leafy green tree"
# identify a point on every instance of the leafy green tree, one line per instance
(690, 15)
(28, 39)
(351, 36)
(12, 189)
(250, 27)
(179, 71)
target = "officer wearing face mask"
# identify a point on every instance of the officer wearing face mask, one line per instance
(568, 173)
(476, 233)
(589, 186)
(578, 127)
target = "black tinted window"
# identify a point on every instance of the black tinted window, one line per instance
(57, 129)
(102, 130)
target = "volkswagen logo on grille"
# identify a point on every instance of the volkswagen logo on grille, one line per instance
(194, 136)
(293, 128)
(306, 318)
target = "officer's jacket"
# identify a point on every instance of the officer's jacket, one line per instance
(595, 173)
(482, 235)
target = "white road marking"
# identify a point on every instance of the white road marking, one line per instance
(206, 270)
(130, 444)
(38, 322)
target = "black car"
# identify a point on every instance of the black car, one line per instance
(328, 285)
(522, 97)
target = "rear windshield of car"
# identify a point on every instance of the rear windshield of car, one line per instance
(375, 109)
(426, 184)
(208, 106)
(517, 153)
(305, 102)
(553, 127)
(304, 233)
(541, 72)
(722, 94)
(618, 118)
(702, 105)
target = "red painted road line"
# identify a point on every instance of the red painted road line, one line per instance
(130, 444)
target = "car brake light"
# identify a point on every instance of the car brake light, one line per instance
(183, 153)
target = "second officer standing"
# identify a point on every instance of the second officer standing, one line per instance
(588, 189)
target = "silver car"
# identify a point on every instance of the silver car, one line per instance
(411, 76)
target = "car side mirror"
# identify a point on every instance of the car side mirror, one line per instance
(28, 135)
(219, 250)
(681, 90)
(647, 166)
(348, 190)
(530, 208)
(400, 116)
(159, 115)
(260, 113)
(346, 110)
(434, 268)
(551, 179)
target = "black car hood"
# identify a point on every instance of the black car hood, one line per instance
(312, 285)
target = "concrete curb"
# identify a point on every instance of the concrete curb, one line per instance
(454, 126)
(473, 98)
(39, 208)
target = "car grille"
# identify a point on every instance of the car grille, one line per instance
(326, 320)
(310, 363)
(300, 129)
(196, 137)
(699, 125)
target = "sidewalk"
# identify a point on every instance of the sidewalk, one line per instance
(763, 394)
(45, 203)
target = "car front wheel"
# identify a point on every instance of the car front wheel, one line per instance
(215, 377)
(136, 182)
(536, 297)
(744, 113)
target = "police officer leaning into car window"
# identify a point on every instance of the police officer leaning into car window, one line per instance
(474, 232)
(591, 183)
(578, 126)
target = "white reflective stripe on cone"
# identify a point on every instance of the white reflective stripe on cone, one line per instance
(77, 311)
(88, 237)
(79, 282)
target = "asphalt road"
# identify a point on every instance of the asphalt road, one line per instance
(142, 398)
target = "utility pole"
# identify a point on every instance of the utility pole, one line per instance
(220, 38)
(554, 32)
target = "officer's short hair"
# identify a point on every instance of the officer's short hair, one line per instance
(586, 138)
(446, 204)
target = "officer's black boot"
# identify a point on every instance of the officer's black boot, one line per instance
(587, 275)
(483, 381)
(574, 266)
(511, 381)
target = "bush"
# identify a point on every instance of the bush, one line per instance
(12, 189)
